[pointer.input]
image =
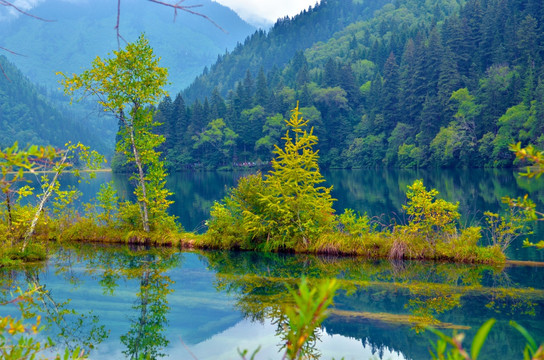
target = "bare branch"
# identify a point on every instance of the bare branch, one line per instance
(4, 73)
(10, 51)
(9, 4)
(187, 8)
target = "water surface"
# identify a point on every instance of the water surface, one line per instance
(378, 192)
(127, 302)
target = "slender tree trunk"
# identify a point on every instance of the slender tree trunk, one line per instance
(45, 197)
(10, 217)
(141, 179)
(8, 206)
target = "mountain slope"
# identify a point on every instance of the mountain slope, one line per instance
(27, 116)
(437, 83)
(277, 47)
(85, 29)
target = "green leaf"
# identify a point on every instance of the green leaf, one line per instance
(480, 338)
(530, 341)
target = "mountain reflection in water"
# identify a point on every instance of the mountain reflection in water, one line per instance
(165, 304)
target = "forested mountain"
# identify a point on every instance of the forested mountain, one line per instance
(27, 116)
(82, 30)
(415, 83)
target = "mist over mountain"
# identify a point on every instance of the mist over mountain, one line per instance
(29, 115)
(84, 29)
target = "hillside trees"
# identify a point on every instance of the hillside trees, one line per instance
(288, 209)
(392, 83)
(127, 85)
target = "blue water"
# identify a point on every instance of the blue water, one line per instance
(378, 192)
(209, 304)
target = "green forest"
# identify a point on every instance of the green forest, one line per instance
(28, 114)
(406, 83)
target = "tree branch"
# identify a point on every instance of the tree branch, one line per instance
(18, 9)
(186, 8)
(9, 4)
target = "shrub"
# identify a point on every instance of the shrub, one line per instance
(429, 217)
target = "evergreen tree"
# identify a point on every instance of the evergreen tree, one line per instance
(390, 94)
(430, 120)
(330, 74)
(408, 98)
(262, 96)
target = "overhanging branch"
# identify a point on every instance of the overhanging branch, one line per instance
(186, 8)
(18, 9)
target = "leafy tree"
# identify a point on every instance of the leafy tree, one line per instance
(429, 217)
(218, 139)
(401, 134)
(365, 152)
(13, 163)
(272, 130)
(126, 85)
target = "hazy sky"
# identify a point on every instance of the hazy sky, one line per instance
(265, 11)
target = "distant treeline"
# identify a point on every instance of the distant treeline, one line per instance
(449, 84)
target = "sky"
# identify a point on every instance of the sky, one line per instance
(265, 12)
(261, 13)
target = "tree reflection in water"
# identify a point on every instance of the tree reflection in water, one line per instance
(379, 303)
(146, 337)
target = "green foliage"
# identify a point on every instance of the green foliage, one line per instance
(301, 208)
(457, 352)
(217, 139)
(18, 337)
(288, 209)
(451, 348)
(355, 224)
(285, 209)
(227, 227)
(409, 156)
(504, 229)
(437, 84)
(29, 115)
(127, 85)
(429, 217)
(524, 205)
(272, 130)
(13, 164)
(309, 311)
(108, 201)
(21, 222)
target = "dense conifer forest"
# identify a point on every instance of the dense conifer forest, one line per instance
(27, 114)
(404, 83)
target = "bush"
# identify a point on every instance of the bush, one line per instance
(433, 219)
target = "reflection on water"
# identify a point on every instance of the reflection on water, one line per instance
(132, 302)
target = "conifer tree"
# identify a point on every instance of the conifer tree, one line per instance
(390, 93)
(299, 207)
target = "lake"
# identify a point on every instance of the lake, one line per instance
(378, 192)
(207, 304)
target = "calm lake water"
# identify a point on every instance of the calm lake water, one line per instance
(380, 193)
(127, 301)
